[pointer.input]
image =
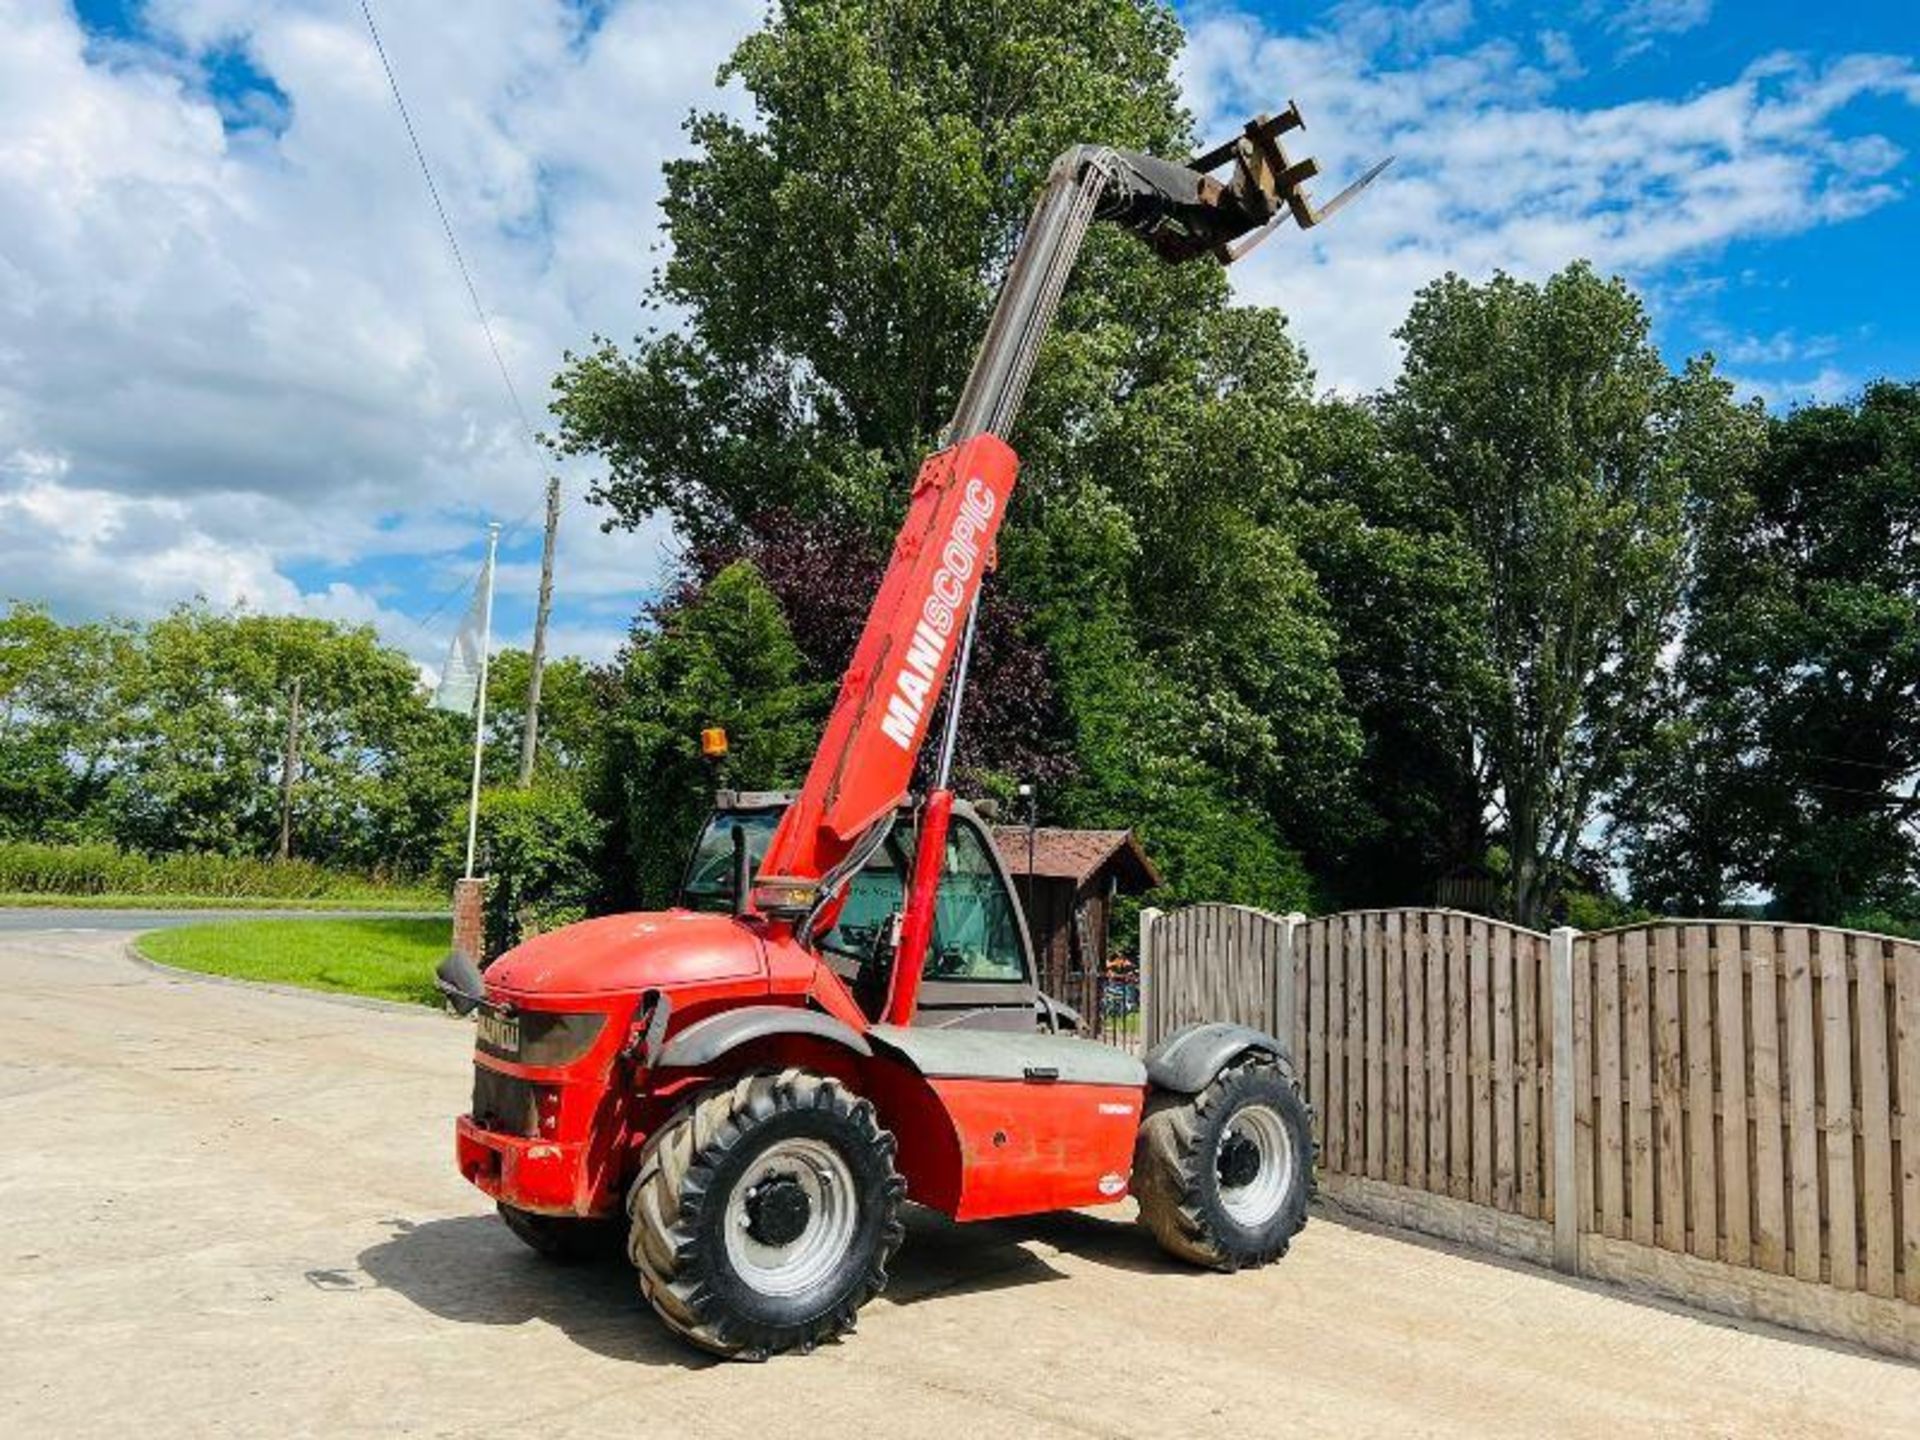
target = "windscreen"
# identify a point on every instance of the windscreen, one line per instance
(709, 882)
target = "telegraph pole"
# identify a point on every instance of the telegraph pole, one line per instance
(530, 735)
(480, 697)
(289, 772)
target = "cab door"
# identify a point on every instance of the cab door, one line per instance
(979, 968)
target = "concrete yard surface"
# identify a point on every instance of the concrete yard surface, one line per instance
(231, 1211)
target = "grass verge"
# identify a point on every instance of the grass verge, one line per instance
(387, 959)
(40, 900)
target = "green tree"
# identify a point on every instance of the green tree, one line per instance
(1405, 596)
(1790, 766)
(571, 704)
(723, 656)
(540, 850)
(1568, 455)
(61, 692)
(835, 257)
(834, 261)
(202, 748)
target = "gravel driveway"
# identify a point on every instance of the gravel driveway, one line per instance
(231, 1211)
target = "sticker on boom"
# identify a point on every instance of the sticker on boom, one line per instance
(940, 615)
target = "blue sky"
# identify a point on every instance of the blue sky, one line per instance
(236, 359)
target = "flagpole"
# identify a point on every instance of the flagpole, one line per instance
(480, 699)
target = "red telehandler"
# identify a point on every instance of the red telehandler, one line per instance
(747, 1092)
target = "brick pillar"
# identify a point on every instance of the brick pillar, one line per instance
(469, 919)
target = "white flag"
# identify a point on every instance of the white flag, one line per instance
(460, 677)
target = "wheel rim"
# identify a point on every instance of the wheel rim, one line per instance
(1255, 1202)
(760, 1253)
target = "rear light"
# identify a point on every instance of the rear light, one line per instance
(546, 1099)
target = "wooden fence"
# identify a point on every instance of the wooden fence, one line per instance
(1728, 1112)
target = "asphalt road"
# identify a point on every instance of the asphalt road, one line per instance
(229, 1211)
(33, 920)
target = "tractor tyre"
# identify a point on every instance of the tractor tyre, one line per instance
(1224, 1177)
(765, 1213)
(560, 1238)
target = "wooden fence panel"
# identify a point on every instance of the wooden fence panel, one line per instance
(1314, 933)
(1437, 1109)
(1876, 1115)
(1335, 1103)
(1735, 1172)
(1769, 1168)
(1373, 937)
(1802, 1122)
(1610, 1158)
(1505, 1166)
(1671, 1142)
(1743, 1092)
(1843, 1226)
(1354, 944)
(1639, 1072)
(1396, 1051)
(1413, 943)
(1480, 1063)
(1583, 1118)
(1526, 974)
(1543, 966)
(1906, 1061)
(1460, 1156)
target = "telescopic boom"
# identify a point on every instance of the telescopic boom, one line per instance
(922, 622)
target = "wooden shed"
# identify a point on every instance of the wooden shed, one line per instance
(1068, 898)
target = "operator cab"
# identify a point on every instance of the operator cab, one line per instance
(979, 971)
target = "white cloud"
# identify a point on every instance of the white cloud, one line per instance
(233, 347)
(252, 348)
(1645, 18)
(1492, 173)
(1826, 386)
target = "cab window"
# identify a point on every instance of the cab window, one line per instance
(709, 882)
(976, 935)
(873, 896)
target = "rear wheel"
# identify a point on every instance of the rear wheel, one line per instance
(1223, 1177)
(558, 1237)
(764, 1214)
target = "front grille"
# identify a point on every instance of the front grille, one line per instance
(504, 1104)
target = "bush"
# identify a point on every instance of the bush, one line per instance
(1884, 922)
(29, 868)
(539, 851)
(1586, 910)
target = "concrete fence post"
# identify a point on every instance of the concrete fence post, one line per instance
(1566, 1178)
(1149, 959)
(1286, 982)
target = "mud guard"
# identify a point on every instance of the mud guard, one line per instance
(1187, 1060)
(707, 1040)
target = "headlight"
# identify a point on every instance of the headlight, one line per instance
(537, 1037)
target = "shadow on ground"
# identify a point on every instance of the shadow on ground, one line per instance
(470, 1270)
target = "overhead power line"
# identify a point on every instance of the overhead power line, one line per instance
(446, 225)
(473, 294)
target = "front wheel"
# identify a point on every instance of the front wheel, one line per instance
(1223, 1177)
(764, 1214)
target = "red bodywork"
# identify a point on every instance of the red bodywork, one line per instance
(565, 1138)
(973, 1148)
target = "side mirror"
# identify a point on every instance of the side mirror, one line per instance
(458, 978)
